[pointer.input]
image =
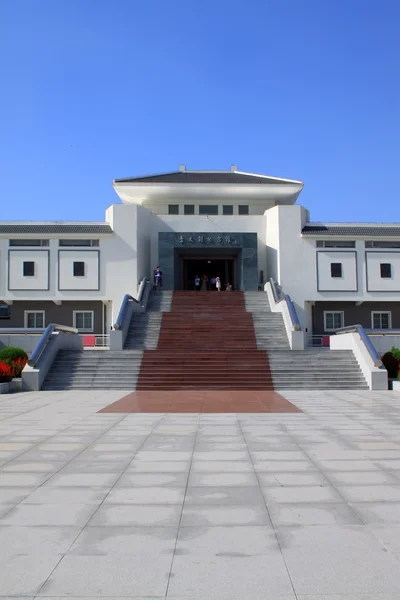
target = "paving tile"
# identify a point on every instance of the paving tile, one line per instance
(153, 479)
(82, 480)
(313, 514)
(21, 479)
(289, 479)
(279, 466)
(13, 495)
(5, 508)
(157, 456)
(224, 495)
(141, 466)
(300, 494)
(67, 495)
(221, 466)
(24, 575)
(230, 577)
(36, 540)
(332, 559)
(116, 541)
(99, 576)
(229, 541)
(223, 479)
(146, 495)
(21, 466)
(221, 455)
(49, 514)
(362, 477)
(95, 466)
(203, 516)
(137, 515)
(377, 512)
(370, 493)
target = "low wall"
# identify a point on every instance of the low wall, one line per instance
(11, 387)
(25, 341)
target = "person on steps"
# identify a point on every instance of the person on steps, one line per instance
(158, 278)
(218, 284)
(197, 283)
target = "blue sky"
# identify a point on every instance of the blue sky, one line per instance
(94, 90)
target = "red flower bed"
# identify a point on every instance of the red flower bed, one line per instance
(6, 372)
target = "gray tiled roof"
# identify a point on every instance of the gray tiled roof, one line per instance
(48, 228)
(203, 177)
(353, 230)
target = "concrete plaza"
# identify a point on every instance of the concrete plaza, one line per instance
(279, 506)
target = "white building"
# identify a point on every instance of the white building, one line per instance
(243, 227)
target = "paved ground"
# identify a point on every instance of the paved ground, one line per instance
(288, 506)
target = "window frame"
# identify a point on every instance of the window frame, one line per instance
(341, 270)
(27, 243)
(390, 276)
(28, 262)
(227, 214)
(78, 262)
(381, 312)
(335, 244)
(240, 207)
(175, 206)
(207, 213)
(78, 243)
(83, 329)
(333, 312)
(34, 312)
(191, 206)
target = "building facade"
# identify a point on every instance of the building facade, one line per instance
(243, 227)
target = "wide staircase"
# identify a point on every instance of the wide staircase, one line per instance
(206, 341)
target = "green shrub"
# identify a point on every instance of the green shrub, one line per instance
(12, 353)
(396, 353)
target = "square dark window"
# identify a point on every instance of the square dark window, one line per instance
(4, 311)
(386, 270)
(79, 269)
(173, 209)
(336, 269)
(29, 269)
(188, 209)
(243, 209)
(227, 209)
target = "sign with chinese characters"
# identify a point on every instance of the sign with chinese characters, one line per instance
(212, 239)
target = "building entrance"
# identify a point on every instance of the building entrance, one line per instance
(224, 268)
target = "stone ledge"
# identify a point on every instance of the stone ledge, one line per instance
(11, 387)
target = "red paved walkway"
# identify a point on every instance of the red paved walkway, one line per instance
(202, 402)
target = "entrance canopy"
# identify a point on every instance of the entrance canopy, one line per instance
(233, 257)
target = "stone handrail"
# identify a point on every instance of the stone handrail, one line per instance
(365, 339)
(42, 343)
(289, 303)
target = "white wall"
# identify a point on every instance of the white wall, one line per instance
(347, 282)
(40, 279)
(375, 283)
(91, 278)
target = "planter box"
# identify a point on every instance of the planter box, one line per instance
(396, 385)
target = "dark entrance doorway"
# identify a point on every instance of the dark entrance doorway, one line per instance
(224, 268)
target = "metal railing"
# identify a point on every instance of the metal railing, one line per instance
(289, 303)
(126, 300)
(44, 340)
(22, 330)
(365, 339)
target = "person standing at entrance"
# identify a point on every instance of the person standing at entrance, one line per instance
(197, 283)
(158, 278)
(213, 282)
(204, 283)
(218, 284)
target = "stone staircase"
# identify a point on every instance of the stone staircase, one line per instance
(269, 327)
(316, 369)
(94, 370)
(144, 328)
(206, 342)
